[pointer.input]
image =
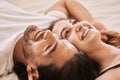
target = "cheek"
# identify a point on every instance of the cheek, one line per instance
(37, 51)
(43, 60)
(62, 58)
(38, 48)
(94, 37)
(74, 39)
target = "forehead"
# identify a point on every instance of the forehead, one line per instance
(60, 25)
(65, 21)
(62, 22)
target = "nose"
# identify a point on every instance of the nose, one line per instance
(78, 27)
(87, 24)
(49, 35)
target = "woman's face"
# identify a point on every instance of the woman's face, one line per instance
(46, 48)
(82, 34)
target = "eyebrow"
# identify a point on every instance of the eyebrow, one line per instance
(74, 21)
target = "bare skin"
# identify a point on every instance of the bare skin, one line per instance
(88, 39)
(43, 48)
(74, 9)
(64, 6)
(64, 27)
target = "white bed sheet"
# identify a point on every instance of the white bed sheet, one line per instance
(105, 11)
(12, 13)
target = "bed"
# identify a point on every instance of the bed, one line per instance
(105, 11)
(15, 15)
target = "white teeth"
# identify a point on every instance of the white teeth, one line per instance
(85, 33)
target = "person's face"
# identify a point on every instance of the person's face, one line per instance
(81, 34)
(46, 48)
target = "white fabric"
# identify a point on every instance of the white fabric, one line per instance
(105, 11)
(6, 58)
(13, 19)
(16, 15)
(13, 22)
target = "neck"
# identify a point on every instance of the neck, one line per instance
(18, 53)
(105, 55)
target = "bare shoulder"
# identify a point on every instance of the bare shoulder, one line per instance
(113, 74)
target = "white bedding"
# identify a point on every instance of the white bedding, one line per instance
(15, 15)
(105, 11)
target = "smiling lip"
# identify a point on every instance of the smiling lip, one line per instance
(39, 34)
(85, 33)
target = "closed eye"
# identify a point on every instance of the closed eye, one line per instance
(46, 48)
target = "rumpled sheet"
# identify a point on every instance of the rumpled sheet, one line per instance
(12, 13)
(105, 11)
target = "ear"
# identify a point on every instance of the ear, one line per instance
(32, 73)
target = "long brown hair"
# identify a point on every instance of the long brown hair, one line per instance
(113, 38)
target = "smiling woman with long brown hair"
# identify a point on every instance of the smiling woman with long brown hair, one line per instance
(88, 39)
